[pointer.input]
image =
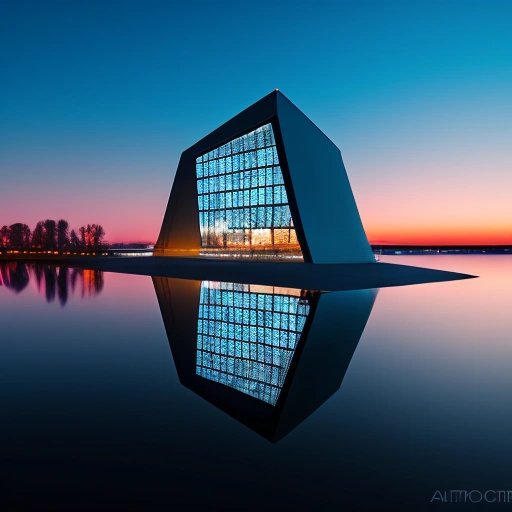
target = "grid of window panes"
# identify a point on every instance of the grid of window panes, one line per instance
(246, 339)
(243, 205)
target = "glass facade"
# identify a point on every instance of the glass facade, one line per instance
(243, 205)
(247, 335)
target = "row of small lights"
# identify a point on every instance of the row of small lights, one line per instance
(66, 253)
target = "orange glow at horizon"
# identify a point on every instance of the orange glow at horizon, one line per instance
(436, 207)
(440, 235)
(427, 228)
(434, 234)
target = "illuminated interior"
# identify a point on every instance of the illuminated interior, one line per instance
(247, 335)
(243, 205)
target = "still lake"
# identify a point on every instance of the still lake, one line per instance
(123, 392)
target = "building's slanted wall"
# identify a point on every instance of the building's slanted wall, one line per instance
(328, 212)
(179, 234)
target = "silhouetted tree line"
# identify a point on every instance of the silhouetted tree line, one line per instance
(51, 281)
(52, 236)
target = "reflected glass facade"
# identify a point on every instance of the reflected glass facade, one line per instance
(243, 205)
(247, 335)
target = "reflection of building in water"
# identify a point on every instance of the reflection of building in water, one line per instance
(267, 356)
(247, 334)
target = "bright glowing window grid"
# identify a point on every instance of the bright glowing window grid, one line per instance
(241, 193)
(246, 340)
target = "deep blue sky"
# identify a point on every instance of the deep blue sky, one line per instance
(98, 99)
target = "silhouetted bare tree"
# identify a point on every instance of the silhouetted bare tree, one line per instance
(50, 234)
(74, 241)
(5, 236)
(62, 234)
(91, 236)
(83, 236)
(98, 235)
(38, 236)
(19, 236)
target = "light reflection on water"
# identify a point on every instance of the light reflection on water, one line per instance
(52, 282)
(97, 409)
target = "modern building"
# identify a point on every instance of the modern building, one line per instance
(266, 184)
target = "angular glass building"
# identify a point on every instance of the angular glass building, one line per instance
(266, 184)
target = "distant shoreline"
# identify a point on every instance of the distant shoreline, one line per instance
(440, 249)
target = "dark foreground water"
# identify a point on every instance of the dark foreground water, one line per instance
(123, 392)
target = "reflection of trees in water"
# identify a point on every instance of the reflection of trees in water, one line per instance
(62, 285)
(38, 273)
(50, 277)
(14, 275)
(52, 281)
(92, 282)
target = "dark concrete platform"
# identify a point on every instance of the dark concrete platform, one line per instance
(325, 277)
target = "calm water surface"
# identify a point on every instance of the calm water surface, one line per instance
(124, 392)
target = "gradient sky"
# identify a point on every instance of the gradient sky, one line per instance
(98, 99)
